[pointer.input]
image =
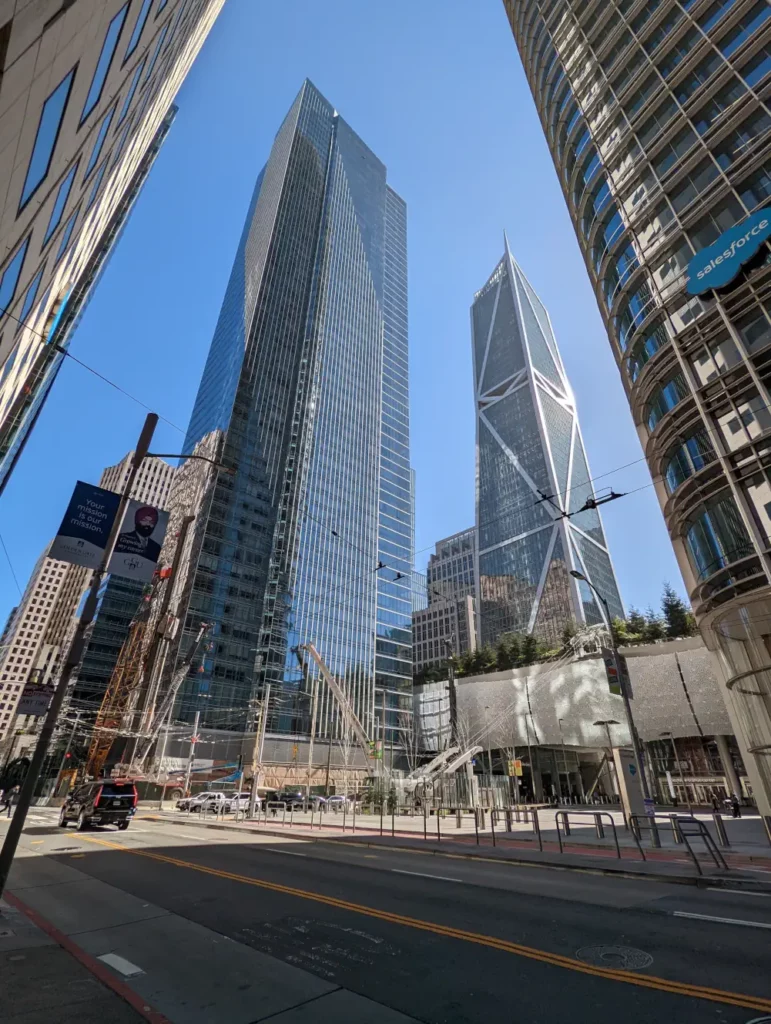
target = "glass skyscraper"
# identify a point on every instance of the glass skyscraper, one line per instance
(531, 467)
(311, 538)
(657, 116)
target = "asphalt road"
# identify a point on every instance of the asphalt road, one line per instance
(447, 940)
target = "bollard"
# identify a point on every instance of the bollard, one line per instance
(677, 836)
(565, 823)
(459, 818)
(722, 838)
(598, 827)
(509, 826)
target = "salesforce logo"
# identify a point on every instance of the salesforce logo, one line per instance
(718, 264)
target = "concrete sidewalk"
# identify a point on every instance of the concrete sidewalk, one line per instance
(661, 865)
(177, 971)
(43, 982)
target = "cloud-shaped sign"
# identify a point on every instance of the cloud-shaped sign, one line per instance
(718, 264)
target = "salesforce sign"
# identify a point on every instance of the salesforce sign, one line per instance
(718, 264)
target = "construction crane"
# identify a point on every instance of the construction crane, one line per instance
(350, 718)
(117, 697)
(146, 743)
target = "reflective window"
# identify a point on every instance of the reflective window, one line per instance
(637, 307)
(688, 458)
(717, 536)
(139, 24)
(674, 149)
(757, 67)
(156, 51)
(698, 76)
(714, 359)
(60, 202)
(640, 96)
(722, 99)
(131, 90)
(756, 188)
(748, 24)
(618, 273)
(177, 16)
(122, 141)
(666, 398)
(694, 184)
(714, 13)
(64, 241)
(656, 123)
(754, 329)
(664, 28)
(101, 135)
(97, 182)
(45, 140)
(10, 276)
(653, 338)
(29, 298)
(740, 138)
(105, 60)
(679, 51)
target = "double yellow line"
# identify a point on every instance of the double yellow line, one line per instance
(714, 995)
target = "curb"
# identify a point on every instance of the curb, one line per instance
(100, 972)
(609, 871)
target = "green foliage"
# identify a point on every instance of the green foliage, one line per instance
(655, 628)
(677, 615)
(569, 630)
(635, 623)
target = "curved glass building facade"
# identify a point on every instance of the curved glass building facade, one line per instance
(311, 538)
(658, 118)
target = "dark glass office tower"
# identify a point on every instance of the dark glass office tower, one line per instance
(311, 538)
(531, 468)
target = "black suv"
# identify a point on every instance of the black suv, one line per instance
(108, 802)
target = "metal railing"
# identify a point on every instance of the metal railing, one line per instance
(695, 829)
(563, 816)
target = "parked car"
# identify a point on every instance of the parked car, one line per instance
(337, 803)
(109, 802)
(198, 801)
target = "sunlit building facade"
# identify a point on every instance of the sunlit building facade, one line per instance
(657, 116)
(311, 538)
(86, 101)
(531, 467)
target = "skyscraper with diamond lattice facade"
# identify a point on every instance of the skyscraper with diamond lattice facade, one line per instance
(531, 466)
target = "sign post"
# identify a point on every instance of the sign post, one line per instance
(72, 659)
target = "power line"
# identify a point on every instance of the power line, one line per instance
(10, 566)
(96, 373)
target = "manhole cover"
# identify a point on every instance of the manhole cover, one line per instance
(615, 956)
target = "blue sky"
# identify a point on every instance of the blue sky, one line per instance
(436, 89)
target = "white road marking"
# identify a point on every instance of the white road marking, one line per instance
(738, 892)
(722, 920)
(289, 853)
(118, 963)
(421, 874)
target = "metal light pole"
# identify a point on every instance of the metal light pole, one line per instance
(191, 755)
(636, 747)
(489, 752)
(680, 770)
(530, 758)
(259, 746)
(564, 761)
(607, 723)
(72, 659)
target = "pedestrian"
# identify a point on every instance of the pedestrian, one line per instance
(736, 807)
(715, 804)
(8, 798)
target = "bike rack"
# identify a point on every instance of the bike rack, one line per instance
(562, 816)
(275, 804)
(702, 833)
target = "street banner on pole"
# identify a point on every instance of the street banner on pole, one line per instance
(138, 546)
(86, 526)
